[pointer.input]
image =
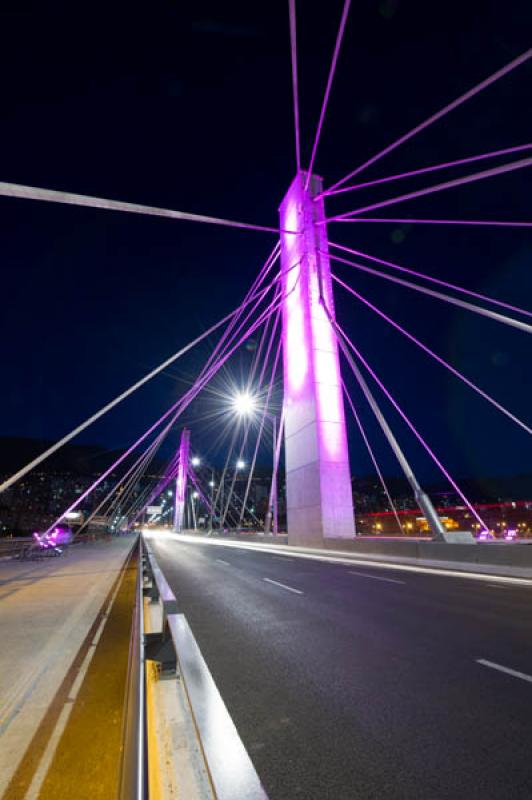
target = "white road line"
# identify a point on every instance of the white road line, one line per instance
(283, 586)
(283, 558)
(374, 577)
(221, 561)
(496, 586)
(507, 670)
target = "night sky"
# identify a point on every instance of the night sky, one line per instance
(188, 106)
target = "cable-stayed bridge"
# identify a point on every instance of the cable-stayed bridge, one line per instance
(348, 672)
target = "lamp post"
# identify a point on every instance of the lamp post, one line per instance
(211, 485)
(193, 499)
(272, 514)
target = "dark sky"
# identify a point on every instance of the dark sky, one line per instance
(188, 106)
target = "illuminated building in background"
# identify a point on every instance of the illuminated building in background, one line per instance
(511, 519)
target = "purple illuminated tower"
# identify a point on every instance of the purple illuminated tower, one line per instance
(318, 483)
(181, 481)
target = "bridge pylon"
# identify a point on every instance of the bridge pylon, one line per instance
(319, 498)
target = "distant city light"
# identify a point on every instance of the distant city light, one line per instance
(195, 461)
(195, 495)
(169, 493)
(240, 464)
(211, 484)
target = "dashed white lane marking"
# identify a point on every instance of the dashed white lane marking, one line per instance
(221, 561)
(374, 577)
(283, 558)
(283, 586)
(496, 586)
(513, 672)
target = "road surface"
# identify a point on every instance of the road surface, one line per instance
(350, 682)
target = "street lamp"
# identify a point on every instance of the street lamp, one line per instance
(240, 464)
(244, 404)
(195, 461)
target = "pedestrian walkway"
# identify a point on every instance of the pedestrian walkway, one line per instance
(63, 663)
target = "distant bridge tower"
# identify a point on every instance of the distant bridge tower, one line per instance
(181, 481)
(319, 497)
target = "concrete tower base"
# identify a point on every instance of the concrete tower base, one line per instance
(318, 482)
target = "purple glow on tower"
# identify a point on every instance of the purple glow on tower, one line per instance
(319, 498)
(181, 481)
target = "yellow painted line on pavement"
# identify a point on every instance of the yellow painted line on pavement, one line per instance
(43, 744)
(154, 773)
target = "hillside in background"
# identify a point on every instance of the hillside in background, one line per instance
(79, 459)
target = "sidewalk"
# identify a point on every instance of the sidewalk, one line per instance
(51, 616)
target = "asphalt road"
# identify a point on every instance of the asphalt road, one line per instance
(367, 685)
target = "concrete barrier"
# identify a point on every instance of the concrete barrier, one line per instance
(503, 554)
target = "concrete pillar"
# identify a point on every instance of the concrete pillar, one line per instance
(318, 481)
(181, 481)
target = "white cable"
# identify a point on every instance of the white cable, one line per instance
(73, 433)
(69, 198)
(485, 312)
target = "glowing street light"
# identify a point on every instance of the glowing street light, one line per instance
(240, 464)
(244, 404)
(195, 461)
(195, 495)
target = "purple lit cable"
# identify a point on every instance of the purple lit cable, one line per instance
(140, 504)
(146, 498)
(129, 480)
(332, 70)
(232, 321)
(437, 281)
(439, 187)
(182, 404)
(199, 490)
(423, 170)
(412, 427)
(264, 410)
(435, 356)
(439, 114)
(270, 261)
(373, 457)
(252, 371)
(169, 475)
(490, 223)
(134, 468)
(130, 390)
(484, 312)
(69, 198)
(293, 53)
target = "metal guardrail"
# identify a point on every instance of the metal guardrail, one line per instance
(230, 769)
